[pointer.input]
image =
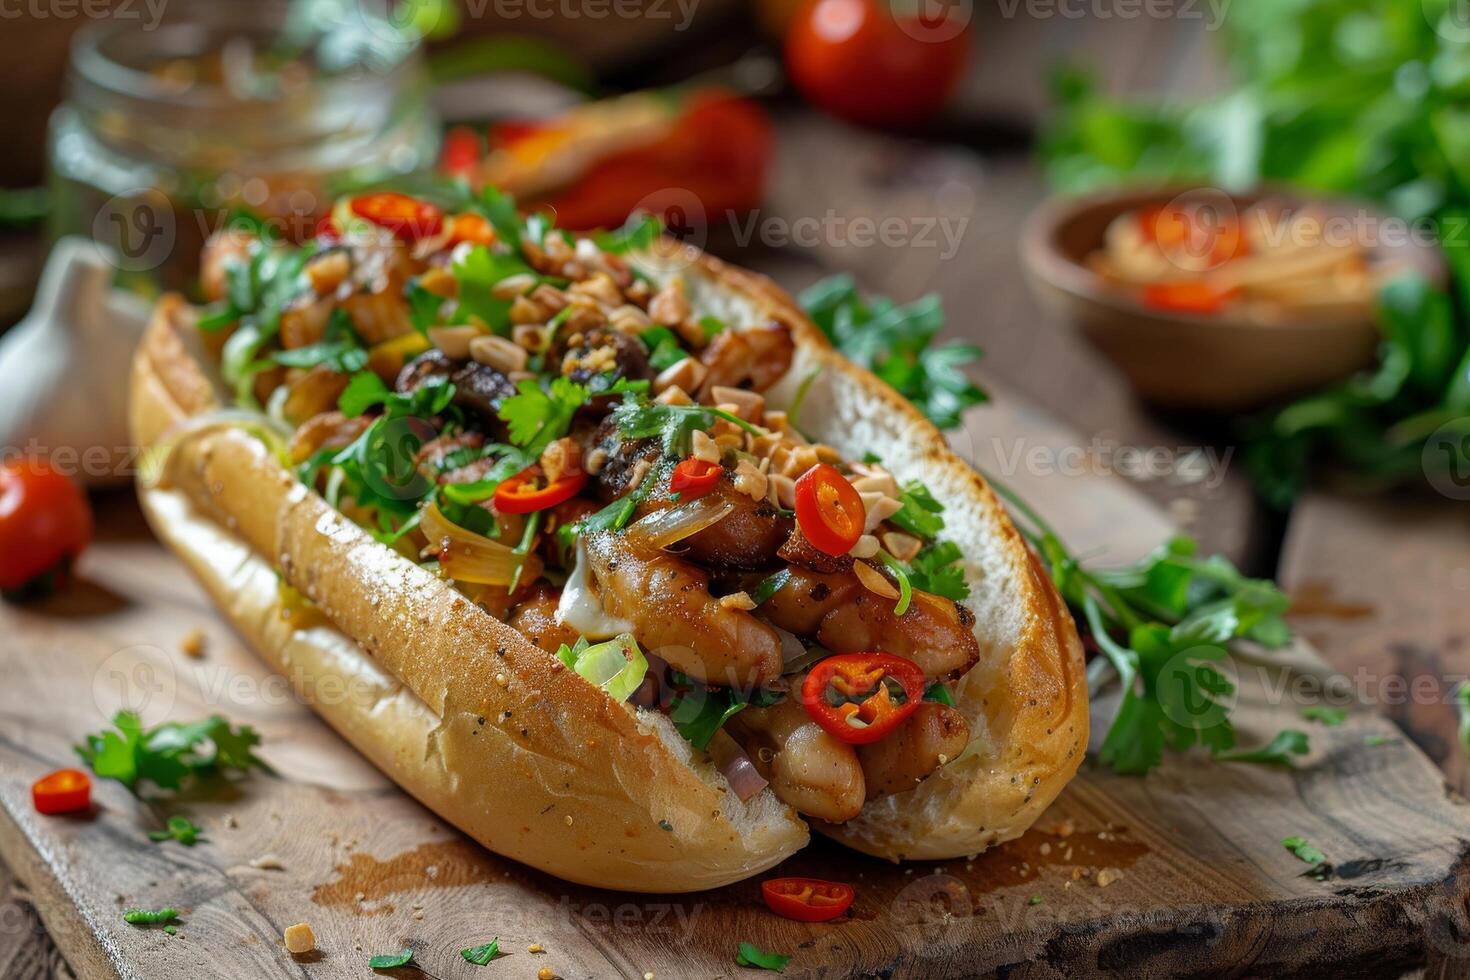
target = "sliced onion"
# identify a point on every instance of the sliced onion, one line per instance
(673, 524)
(744, 779)
(469, 557)
(873, 580)
(791, 646)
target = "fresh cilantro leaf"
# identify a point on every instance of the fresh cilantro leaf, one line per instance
(752, 957)
(896, 344)
(920, 514)
(1035, 900)
(1325, 715)
(712, 326)
(499, 208)
(482, 955)
(364, 390)
(937, 569)
(1285, 745)
(637, 235)
(698, 711)
(154, 917)
(424, 307)
(674, 425)
(169, 754)
(1303, 850)
(389, 961)
(537, 417)
(478, 271)
(342, 356)
(181, 829)
(664, 349)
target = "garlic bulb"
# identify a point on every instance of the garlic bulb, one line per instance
(64, 368)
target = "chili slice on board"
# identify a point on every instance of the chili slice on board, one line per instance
(62, 791)
(807, 899)
(861, 697)
(829, 510)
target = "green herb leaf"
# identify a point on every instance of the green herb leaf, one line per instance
(181, 829)
(170, 754)
(363, 391)
(770, 585)
(477, 272)
(538, 417)
(637, 235)
(920, 513)
(698, 711)
(938, 569)
(390, 961)
(1304, 851)
(752, 957)
(482, 955)
(1285, 745)
(145, 917)
(896, 344)
(1325, 715)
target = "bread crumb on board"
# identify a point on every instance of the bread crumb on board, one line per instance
(267, 862)
(300, 939)
(191, 644)
(545, 973)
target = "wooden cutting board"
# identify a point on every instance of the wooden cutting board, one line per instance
(1178, 873)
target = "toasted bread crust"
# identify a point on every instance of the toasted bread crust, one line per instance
(492, 758)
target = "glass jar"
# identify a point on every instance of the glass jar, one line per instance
(169, 133)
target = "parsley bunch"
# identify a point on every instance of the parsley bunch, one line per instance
(170, 754)
(1163, 626)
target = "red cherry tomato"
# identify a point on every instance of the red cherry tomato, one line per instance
(526, 492)
(63, 791)
(406, 217)
(864, 61)
(45, 524)
(695, 477)
(1186, 297)
(861, 697)
(829, 511)
(807, 899)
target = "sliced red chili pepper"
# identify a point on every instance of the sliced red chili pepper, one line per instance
(326, 229)
(406, 217)
(62, 791)
(695, 477)
(807, 899)
(525, 492)
(471, 228)
(1186, 297)
(829, 511)
(861, 697)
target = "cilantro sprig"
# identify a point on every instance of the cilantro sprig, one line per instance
(171, 754)
(180, 829)
(482, 955)
(1164, 625)
(896, 343)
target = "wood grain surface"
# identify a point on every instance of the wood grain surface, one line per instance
(1181, 872)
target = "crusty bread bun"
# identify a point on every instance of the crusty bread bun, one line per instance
(527, 757)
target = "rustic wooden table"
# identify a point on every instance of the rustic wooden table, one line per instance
(1382, 587)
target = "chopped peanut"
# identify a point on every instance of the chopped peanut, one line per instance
(880, 507)
(561, 458)
(669, 305)
(746, 404)
(737, 600)
(454, 341)
(749, 480)
(300, 939)
(687, 374)
(503, 355)
(512, 287)
(703, 447)
(904, 547)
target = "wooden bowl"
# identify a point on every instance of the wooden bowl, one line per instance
(1221, 362)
